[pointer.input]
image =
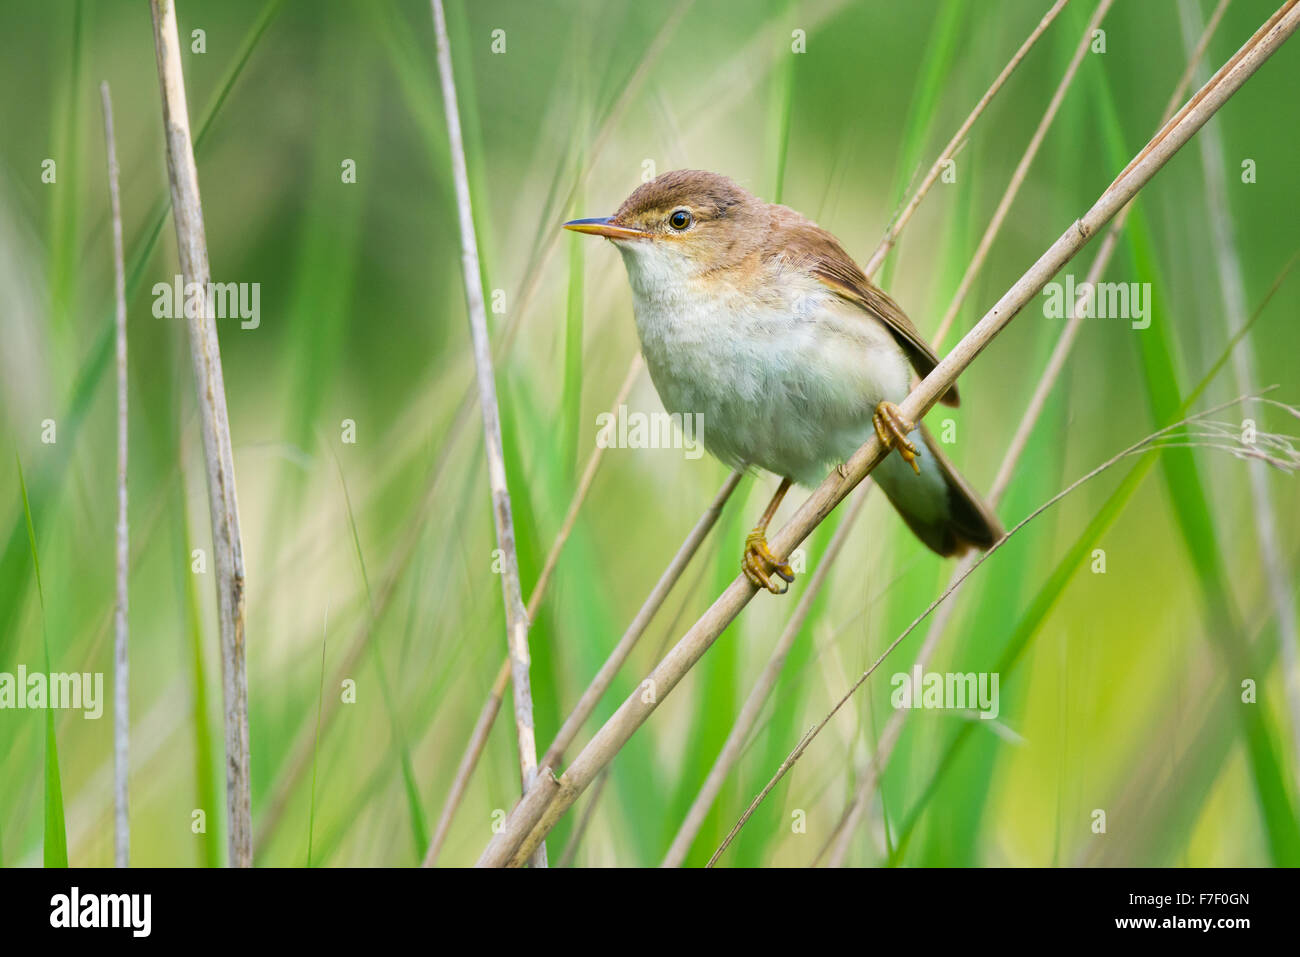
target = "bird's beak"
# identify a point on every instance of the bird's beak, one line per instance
(605, 227)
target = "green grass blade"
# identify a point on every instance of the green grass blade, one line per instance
(573, 334)
(315, 750)
(781, 112)
(206, 792)
(56, 835)
(532, 489)
(65, 207)
(769, 822)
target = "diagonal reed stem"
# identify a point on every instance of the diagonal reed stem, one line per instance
(516, 616)
(218, 455)
(121, 697)
(537, 813)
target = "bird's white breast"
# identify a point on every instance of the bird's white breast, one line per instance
(785, 374)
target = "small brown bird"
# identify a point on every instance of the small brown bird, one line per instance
(757, 319)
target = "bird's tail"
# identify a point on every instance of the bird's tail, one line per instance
(944, 512)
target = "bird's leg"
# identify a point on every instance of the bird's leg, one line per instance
(892, 428)
(759, 564)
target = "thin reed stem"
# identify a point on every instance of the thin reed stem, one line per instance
(218, 455)
(516, 616)
(121, 696)
(654, 601)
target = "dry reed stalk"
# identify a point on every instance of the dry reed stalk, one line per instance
(218, 455)
(121, 698)
(516, 616)
(958, 138)
(853, 814)
(534, 816)
(571, 849)
(1018, 176)
(604, 677)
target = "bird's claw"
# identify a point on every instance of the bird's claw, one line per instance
(762, 567)
(892, 428)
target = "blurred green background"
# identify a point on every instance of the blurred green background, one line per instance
(1123, 689)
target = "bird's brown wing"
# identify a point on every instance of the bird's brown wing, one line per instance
(805, 245)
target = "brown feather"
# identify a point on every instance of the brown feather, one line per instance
(806, 245)
(971, 523)
(707, 194)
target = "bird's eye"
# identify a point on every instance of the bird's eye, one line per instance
(680, 219)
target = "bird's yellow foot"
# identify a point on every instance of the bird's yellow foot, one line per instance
(892, 428)
(762, 567)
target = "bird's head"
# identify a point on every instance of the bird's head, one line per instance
(686, 220)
